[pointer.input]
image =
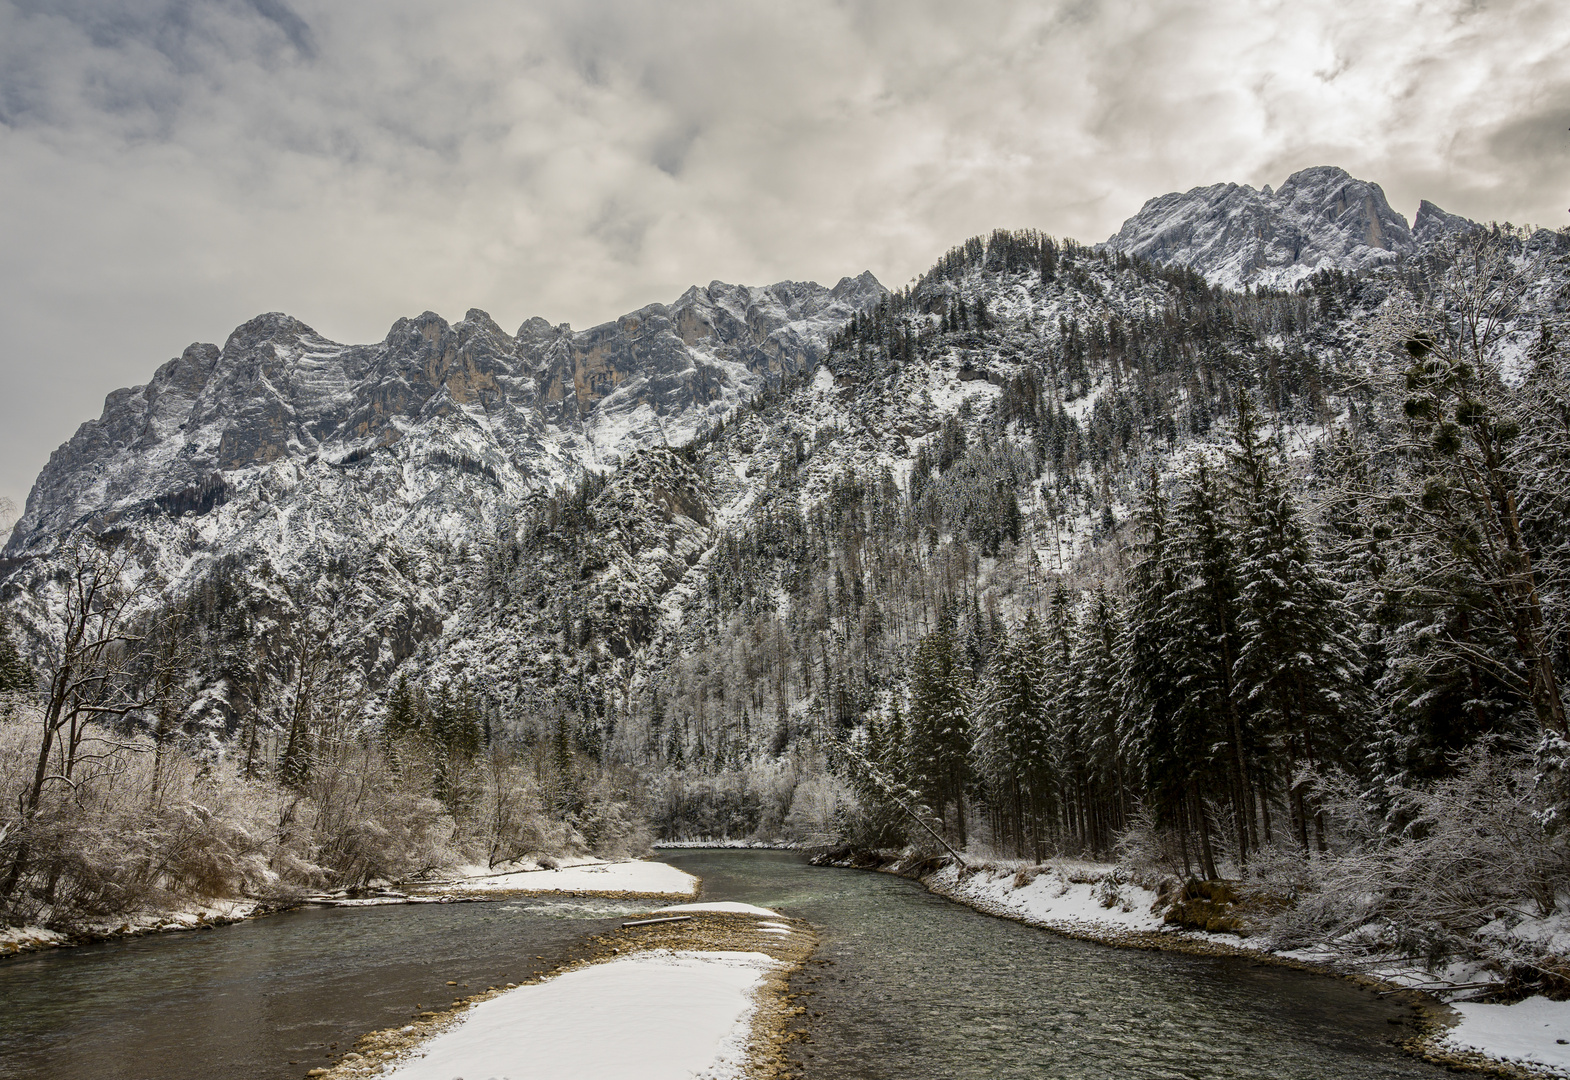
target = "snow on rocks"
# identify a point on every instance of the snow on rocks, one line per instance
(196, 915)
(630, 878)
(1067, 896)
(1534, 1033)
(14, 939)
(647, 1016)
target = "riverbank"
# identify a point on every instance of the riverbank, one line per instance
(627, 879)
(15, 940)
(694, 989)
(1099, 902)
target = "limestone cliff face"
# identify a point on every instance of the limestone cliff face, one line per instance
(1320, 218)
(523, 412)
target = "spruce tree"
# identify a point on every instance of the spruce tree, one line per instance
(1011, 753)
(1297, 667)
(1199, 641)
(940, 728)
(15, 676)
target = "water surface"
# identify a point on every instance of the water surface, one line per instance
(270, 998)
(919, 986)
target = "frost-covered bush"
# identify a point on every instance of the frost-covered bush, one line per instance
(1430, 867)
(1147, 848)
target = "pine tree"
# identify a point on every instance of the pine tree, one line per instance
(1166, 753)
(1200, 618)
(1297, 666)
(940, 728)
(1011, 751)
(15, 676)
(1096, 705)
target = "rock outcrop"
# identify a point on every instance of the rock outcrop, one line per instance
(523, 412)
(1320, 218)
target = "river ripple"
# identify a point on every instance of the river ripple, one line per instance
(922, 987)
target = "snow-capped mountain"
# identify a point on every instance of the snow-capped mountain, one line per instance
(1320, 218)
(554, 515)
(280, 404)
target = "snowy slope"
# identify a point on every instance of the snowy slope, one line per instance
(1320, 218)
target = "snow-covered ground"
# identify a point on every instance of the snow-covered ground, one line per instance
(1534, 1033)
(14, 939)
(634, 877)
(1063, 896)
(648, 1016)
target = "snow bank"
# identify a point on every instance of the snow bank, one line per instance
(1053, 896)
(27, 938)
(1534, 1032)
(1084, 897)
(723, 907)
(190, 916)
(649, 1016)
(633, 876)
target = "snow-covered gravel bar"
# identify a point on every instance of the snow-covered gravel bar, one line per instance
(1534, 1033)
(633, 877)
(695, 990)
(650, 1016)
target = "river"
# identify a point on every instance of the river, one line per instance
(914, 986)
(919, 986)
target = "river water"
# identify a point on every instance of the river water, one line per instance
(270, 998)
(913, 986)
(919, 986)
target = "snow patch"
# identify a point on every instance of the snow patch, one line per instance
(1533, 1032)
(651, 1016)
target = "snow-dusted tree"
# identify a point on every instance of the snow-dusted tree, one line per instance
(1481, 452)
(1097, 707)
(1011, 751)
(939, 729)
(1297, 667)
(86, 671)
(1199, 630)
(1165, 753)
(15, 676)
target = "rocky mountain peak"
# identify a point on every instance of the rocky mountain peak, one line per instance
(525, 412)
(1319, 218)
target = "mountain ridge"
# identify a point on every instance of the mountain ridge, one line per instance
(1320, 218)
(533, 409)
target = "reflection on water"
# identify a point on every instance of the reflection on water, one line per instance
(263, 999)
(922, 987)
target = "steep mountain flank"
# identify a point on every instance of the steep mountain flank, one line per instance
(524, 412)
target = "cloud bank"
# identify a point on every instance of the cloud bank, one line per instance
(173, 167)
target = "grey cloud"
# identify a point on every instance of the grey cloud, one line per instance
(174, 167)
(294, 28)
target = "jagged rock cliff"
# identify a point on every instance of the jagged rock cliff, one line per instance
(281, 404)
(1320, 218)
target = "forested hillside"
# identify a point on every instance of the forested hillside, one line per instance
(1057, 551)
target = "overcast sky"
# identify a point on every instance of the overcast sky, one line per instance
(170, 168)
